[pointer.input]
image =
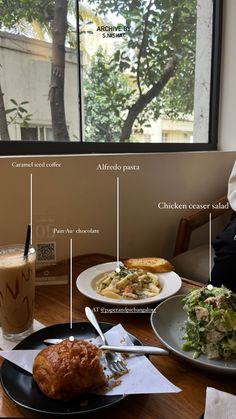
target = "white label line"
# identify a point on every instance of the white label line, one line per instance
(31, 208)
(117, 223)
(210, 247)
(71, 272)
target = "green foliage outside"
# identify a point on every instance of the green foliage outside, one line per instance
(18, 114)
(12, 11)
(151, 72)
(157, 54)
(107, 93)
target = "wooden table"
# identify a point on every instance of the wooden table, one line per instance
(52, 306)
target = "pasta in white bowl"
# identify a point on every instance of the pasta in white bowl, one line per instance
(102, 283)
(131, 284)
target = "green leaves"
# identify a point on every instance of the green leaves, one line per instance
(14, 102)
(12, 11)
(18, 114)
(159, 30)
(107, 93)
(10, 110)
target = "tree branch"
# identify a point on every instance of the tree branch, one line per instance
(56, 91)
(4, 133)
(145, 99)
(142, 46)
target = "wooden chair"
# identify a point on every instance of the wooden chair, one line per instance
(195, 262)
(188, 224)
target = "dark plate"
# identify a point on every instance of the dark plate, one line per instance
(21, 388)
(167, 322)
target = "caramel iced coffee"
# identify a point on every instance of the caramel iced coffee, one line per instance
(17, 291)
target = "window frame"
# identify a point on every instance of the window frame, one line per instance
(24, 148)
(37, 127)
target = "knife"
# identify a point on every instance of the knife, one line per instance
(134, 349)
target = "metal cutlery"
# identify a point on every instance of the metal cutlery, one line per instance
(134, 349)
(114, 361)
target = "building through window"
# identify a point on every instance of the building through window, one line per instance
(141, 73)
(36, 134)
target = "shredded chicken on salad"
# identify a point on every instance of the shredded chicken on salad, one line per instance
(211, 323)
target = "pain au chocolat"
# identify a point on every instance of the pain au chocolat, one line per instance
(68, 369)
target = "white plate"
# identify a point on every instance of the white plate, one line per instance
(167, 322)
(86, 283)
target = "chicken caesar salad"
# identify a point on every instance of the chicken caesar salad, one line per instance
(210, 327)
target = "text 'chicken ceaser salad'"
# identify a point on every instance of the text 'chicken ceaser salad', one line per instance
(210, 327)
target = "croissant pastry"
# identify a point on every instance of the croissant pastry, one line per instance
(67, 369)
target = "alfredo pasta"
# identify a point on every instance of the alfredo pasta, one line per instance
(133, 284)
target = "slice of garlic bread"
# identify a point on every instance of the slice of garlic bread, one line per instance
(151, 264)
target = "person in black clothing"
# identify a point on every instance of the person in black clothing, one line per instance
(224, 269)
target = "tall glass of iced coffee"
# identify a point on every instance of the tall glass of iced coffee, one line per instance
(17, 291)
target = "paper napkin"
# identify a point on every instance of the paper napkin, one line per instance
(219, 404)
(142, 378)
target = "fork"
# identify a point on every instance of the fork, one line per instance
(114, 361)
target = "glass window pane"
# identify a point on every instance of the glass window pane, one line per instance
(39, 78)
(141, 72)
(146, 63)
(49, 134)
(29, 134)
(41, 134)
